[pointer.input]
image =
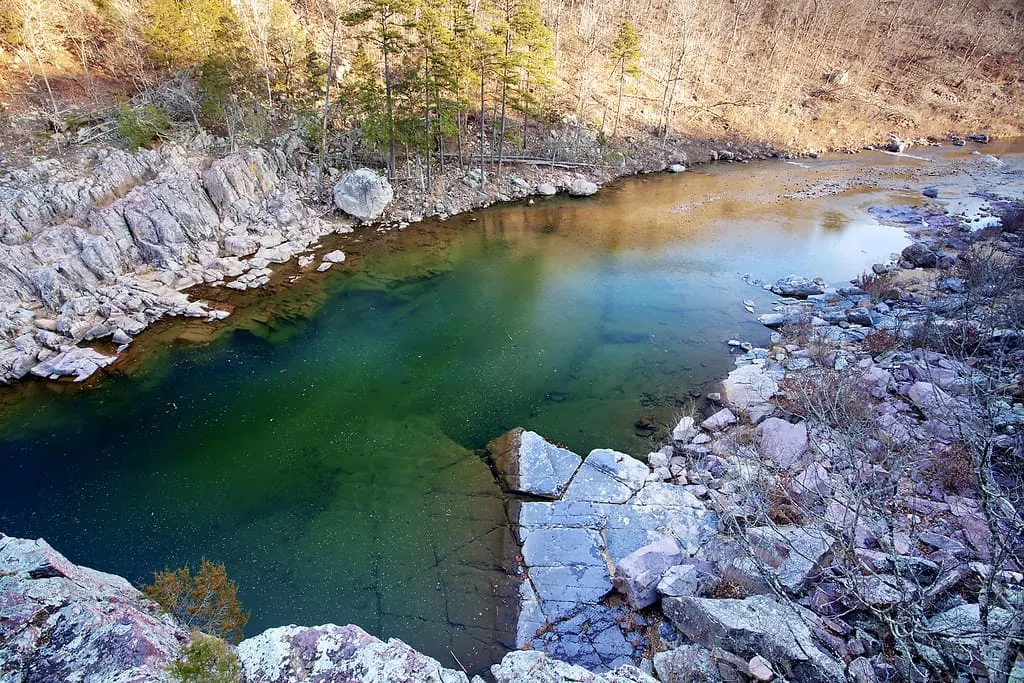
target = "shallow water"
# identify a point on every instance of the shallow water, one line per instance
(321, 443)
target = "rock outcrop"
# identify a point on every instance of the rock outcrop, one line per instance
(526, 463)
(333, 654)
(62, 622)
(104, 244)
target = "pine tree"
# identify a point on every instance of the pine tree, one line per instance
(626, 53)
(382, 22)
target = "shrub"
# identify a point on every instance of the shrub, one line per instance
(206, 660)
(207, 601)
(874, 284)
(952, 469)
(878, 341)
(142, 125)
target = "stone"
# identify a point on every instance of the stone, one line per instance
(749, 390)
(290, 654)
(322, 268)
(684, 431)
(920, 256)
(760, 669)
(581, 187)
(690, 579)
(62, 622)
(547, 190)
(638, 574)
(797, 287)
(720, 420)
(336, 256)
(120, 337)
(526, 463)
(525, 666)
(363, 194)
(607, 476)
(76, 362)
(676, 168)
(930, 192)
(795, 554)
(686, 664)
(782, 442)
(758, 625)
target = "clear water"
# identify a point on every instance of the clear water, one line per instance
(322, 442)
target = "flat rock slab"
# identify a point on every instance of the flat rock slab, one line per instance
(758, 625)
(526, 463)
(607, 476)
(784, 443)
(336, 654)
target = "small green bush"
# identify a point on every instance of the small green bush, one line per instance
(142, 125)
(206, 660)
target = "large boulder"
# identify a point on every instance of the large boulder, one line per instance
(581, 187)
(536, 667)
(330, 653)
(62, 622)
(363, 194)
(526, 463)
(784, 443)
(920, 256)
(758, 625)
(749, 390)
(796, 286)
(639, 573)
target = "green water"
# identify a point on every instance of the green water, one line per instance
(322, 442)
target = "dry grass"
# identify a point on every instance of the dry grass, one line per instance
(953, 469)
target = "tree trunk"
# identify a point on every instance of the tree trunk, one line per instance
(387, 100)
(483, 174)
(327, 98)
(426, 111)
(618, 104)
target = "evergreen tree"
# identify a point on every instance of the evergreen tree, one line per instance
(382, 22)
(626, 53)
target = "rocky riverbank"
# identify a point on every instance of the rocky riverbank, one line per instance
(846, 511)
(850, 509)
(99, 244)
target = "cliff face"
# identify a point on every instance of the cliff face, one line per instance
(103, 244)
(60, 622)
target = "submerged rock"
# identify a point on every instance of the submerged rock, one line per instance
(363, 194)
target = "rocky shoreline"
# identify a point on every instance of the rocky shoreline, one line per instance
(97, 246)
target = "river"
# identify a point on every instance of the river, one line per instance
(324, 442)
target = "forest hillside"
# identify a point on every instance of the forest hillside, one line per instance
(422, 81)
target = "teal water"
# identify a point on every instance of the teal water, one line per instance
(323, 443)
